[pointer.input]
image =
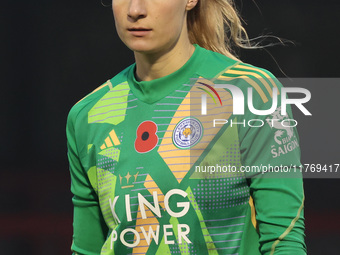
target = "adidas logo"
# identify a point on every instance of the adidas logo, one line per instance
(111, 140)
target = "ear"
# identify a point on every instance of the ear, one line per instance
(191, 4)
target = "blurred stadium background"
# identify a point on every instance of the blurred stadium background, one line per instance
(55, 52)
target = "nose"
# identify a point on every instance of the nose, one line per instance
(137, 9)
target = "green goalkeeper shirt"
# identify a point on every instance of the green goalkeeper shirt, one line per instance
(173, 166)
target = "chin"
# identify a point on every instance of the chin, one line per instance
(141, 46)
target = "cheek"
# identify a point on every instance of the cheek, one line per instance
(117, 13)
(170, 21)
(118, 21)
(174, 18)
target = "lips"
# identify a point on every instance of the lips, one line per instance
(139, 31)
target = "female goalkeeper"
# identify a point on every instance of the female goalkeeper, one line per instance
(170, 157)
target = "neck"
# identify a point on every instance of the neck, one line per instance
(150, 66)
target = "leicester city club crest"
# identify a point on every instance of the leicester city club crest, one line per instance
(187, 133)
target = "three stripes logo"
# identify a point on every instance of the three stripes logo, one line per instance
(204, 97)
(111, 140)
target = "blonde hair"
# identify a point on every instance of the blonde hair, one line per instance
(216, 25)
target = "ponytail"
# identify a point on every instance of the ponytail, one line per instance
(216, 25)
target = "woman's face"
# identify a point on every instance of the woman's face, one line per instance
(151, 26)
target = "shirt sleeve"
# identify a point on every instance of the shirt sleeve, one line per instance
(89, 228)
(278, 195)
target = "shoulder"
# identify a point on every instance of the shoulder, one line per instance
(214, 63)
(238, 73)
(245, 70)
(242, 75)
(83, 106)
(245, 76)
